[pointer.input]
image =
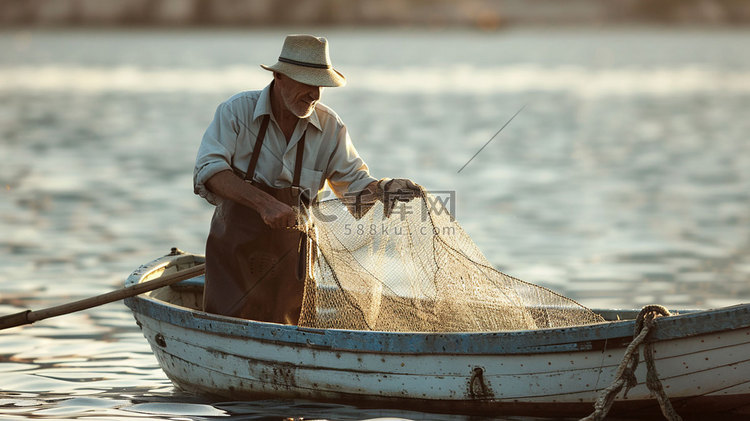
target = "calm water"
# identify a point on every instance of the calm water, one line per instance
(624, 181)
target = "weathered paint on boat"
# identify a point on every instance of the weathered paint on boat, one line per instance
(703, 360)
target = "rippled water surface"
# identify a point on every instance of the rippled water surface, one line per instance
(624, 181)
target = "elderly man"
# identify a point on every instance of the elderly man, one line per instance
(264, 153)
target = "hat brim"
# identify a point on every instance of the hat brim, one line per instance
(330, 78)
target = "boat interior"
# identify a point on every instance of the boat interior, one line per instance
(189, 293)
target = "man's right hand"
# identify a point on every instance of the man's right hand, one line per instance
(274, 213)
(278, 215)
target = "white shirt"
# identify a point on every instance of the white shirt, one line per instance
(229, 140)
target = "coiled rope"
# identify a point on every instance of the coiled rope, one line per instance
(626, 371)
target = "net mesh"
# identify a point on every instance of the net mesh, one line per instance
(416, 271)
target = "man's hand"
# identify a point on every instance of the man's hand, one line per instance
(278, 215)
(274, 213)
(397, 189)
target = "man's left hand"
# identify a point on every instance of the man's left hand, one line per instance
(396, 189)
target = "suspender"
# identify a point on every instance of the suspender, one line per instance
(298, 162)
(256, 149)
(259, 145)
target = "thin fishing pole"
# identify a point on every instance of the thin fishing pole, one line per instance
(488, 142)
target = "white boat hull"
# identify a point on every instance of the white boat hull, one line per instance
(703, 360)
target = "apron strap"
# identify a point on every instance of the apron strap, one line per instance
(259, 145)
(298, 162)
(256, 149)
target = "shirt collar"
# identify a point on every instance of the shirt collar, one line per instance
(263, 107)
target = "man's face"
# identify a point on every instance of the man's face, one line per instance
(298, 98)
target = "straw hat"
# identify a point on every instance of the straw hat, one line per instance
(305, 59)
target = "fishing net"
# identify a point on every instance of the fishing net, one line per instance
(416, 271)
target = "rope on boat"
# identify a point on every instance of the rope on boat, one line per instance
(626, 371)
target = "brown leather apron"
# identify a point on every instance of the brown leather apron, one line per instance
(253, 271)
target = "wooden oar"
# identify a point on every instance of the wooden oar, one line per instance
(29, 316)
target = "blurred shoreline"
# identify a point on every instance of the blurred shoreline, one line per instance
(483, 14)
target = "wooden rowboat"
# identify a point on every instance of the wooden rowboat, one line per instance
(702, 357)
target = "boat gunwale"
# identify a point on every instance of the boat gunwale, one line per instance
(605, 335)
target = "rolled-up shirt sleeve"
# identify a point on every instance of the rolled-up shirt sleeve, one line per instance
(347, 173)
(215, 151)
